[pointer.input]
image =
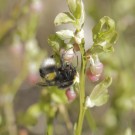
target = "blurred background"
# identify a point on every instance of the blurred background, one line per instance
(25, 108)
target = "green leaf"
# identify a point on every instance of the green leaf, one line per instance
(104, 26)
(102, 99)
(76, 7)
(99, 49)
(58, 95)
(104, 36)
(109, 37)
(99, 95)
(65, 34)
(72, 5)
(95, 49)
(114, 37)
(56, 42)
(78, 12)
(100, 88)
(105, 30)
(63, 18)
(79, 15)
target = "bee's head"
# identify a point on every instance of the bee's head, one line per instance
(48, 69)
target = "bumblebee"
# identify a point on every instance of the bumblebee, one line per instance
(61, 76)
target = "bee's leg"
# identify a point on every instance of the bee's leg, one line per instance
(42, 84)
(65, 84)
(46, 84)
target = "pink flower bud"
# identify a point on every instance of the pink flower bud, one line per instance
(71, 95)
(92, 77)
(67, 55)
(97, 68)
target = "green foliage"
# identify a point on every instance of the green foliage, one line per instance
(72, 4)
(76, 15)
(99, 94)
(58, 96)
(80, 15)
(63, 18)
(56, 43)
(104, 36)
(65, 34)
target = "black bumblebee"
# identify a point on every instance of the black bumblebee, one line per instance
(61, 76)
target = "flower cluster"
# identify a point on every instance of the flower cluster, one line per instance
(65, 43)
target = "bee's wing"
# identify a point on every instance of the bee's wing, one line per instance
(42, 84)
